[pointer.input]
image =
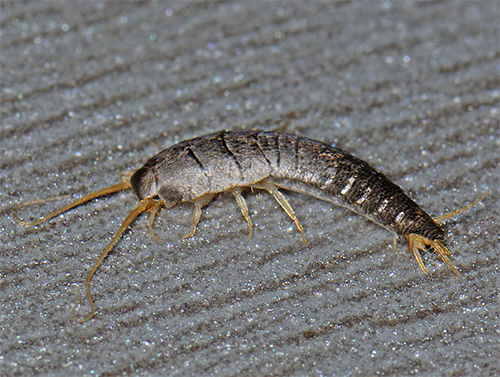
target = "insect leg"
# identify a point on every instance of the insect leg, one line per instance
(243, 207)
(153, 211)
(273, 190)
(199, 203)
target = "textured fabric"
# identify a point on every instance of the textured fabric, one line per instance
(91, 89)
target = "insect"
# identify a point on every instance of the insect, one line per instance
(196, 170)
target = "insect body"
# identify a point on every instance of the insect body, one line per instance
(196, 170)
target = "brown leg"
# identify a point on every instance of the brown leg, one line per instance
(243, 207)
(199, 203)
(153, 211)
(273, 190)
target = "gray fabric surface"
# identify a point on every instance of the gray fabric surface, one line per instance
(90, 89)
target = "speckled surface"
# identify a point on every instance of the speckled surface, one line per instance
(89, 89)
